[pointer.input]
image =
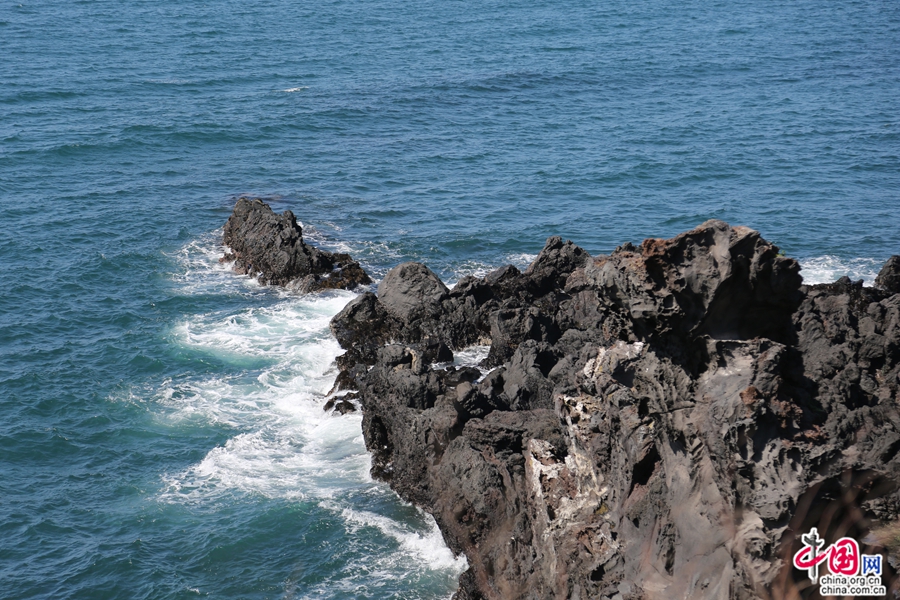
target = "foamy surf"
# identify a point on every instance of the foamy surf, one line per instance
(426, 547)
(417, 552)
(471, 356)
(285, 447)
(289, 447)
(829, 268)
(201, 272)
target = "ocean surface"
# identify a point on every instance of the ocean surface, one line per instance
(161, 425)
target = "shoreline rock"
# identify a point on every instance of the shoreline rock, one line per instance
(270, 247)
(658, 422)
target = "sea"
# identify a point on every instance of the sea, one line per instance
(162, 432)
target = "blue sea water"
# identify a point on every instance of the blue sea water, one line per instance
(161, 423)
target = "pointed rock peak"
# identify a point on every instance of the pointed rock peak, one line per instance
(558, 257)
(889, 277)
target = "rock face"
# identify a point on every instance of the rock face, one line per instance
(656, 423)
(889, 277)
(271, 247)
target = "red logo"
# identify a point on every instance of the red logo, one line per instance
(850, 573)
(844, 559)
(842, 556)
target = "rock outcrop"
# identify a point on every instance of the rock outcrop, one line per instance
(889, 277)
(270, 247)
(656, 423)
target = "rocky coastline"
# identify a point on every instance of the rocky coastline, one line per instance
(660, 422)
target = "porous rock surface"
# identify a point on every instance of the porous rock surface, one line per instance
(656, 423)
(270, 247)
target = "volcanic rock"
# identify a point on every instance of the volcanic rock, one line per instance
(270, 247)
(889, 277)
(661, 422)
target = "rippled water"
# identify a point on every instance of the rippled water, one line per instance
(162, 431)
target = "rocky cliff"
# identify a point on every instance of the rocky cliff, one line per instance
(656, 423)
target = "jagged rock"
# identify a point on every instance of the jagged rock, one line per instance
(271, 248)
(340, 405)
(661, 422)
(716, 281)
(888, 278)
(554, 264)
(362, 327)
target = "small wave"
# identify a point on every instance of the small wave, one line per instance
(289, 447)
(320, 457)
(377, 258)
(281, 332)
(829, 268)
(296, 89)
(201, 272)
(479, 269)
(416, 554)
(472, 267)
(427, 547)
(471, 356)
(521, 260)
(170, 81)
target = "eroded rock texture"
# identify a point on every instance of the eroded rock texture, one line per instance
(270, 247)
(657, 423)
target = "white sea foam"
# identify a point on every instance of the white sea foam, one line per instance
(427, 547)
(361, 250)
(273, 332)
(828, 269)
(471, 267)
(280, 355)
(521, 260)
(296, 89)
(479, 269)
(202, 273)
(471, 356)
(418, 553)
(170, 81)
(289, 447)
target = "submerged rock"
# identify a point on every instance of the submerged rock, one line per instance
(659, 422)
(270, 247)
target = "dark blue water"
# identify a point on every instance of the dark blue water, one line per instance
(162, 433)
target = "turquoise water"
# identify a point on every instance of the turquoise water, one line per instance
(162, 434)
